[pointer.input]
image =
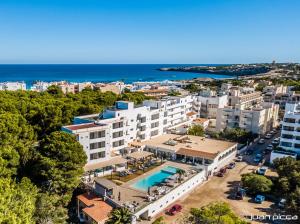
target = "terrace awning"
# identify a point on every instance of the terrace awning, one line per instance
(113, 161)
(196, 153)
(139, 155)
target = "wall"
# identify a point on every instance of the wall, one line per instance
(159, 205)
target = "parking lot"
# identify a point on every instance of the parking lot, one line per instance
(222, 188)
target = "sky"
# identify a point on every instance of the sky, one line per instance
(149, 31)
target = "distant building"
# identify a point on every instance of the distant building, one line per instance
(12, 86)
(210, 103)
(258, 119)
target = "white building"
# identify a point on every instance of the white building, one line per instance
(210, 104)
(258, 119)
(110, 133)
(12, 86)
(290, 132)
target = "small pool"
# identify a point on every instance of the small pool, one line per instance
(155, 178)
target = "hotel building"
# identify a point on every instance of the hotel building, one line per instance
(109, 134)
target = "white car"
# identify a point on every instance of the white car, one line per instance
(239, 159)
(261, 141)
(268, 136)
(270, 147)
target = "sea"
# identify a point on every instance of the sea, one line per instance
(127, 73)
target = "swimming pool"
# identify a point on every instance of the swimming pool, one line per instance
(155, 178)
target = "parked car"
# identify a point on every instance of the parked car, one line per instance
(268, 136)
(175, 209)
(281, 203)
(259, 198)
(270, 147)
(231, 165)
(258, 158)
(275, 141)
(262, 170)
(220, 174)
(239, 159)
(240, 194)
(261, 141)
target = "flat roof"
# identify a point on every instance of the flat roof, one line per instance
(96, 208)
(113, 161)
(84, 126)
(200, 120)
(105, 183)
(189, 144)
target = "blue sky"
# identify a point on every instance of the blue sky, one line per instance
(149, 31)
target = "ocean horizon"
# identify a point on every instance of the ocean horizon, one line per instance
(127, 73)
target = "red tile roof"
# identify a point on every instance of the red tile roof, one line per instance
(96, 208)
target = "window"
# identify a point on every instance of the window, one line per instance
(288, 128)
(117, 134)
(97, 134)
(154, 116)
(287, 136)
(97, 145)
(289, 120)
(143, 128)
(153, 133)
(297, 137)
(118, 143)
(297, 146)
(143, 119)
(165, 121)
(155, 125)
(117, 125)
(286, 144)
(97, 155)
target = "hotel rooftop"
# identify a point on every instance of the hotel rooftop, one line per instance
(190, 145)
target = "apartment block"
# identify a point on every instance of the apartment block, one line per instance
(110, 133)
(243, 97)
(258, 119)
(290, 132)
(210, 103)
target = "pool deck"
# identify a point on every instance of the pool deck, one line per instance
(156, 169)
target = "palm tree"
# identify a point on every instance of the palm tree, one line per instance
(180, 172)
(119, 216)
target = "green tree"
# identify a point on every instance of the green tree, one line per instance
(49, 210)
(159, 220)
(54, 90)
(288, 182)
(60, 164)
(180, 172)
(119, 216)
(17, 201)
(256, 183)
(174, 93)
(193, 88)
(213, 213)
(196, 130)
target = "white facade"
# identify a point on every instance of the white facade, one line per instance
(126, 123)
(281, 154)
(210, 104)
(290, 132)
(259, 119)
(12, 86)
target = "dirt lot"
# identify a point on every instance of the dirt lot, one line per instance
(219, 189)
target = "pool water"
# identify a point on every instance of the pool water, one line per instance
(155, 178)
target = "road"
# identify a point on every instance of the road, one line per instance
(222, 188)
